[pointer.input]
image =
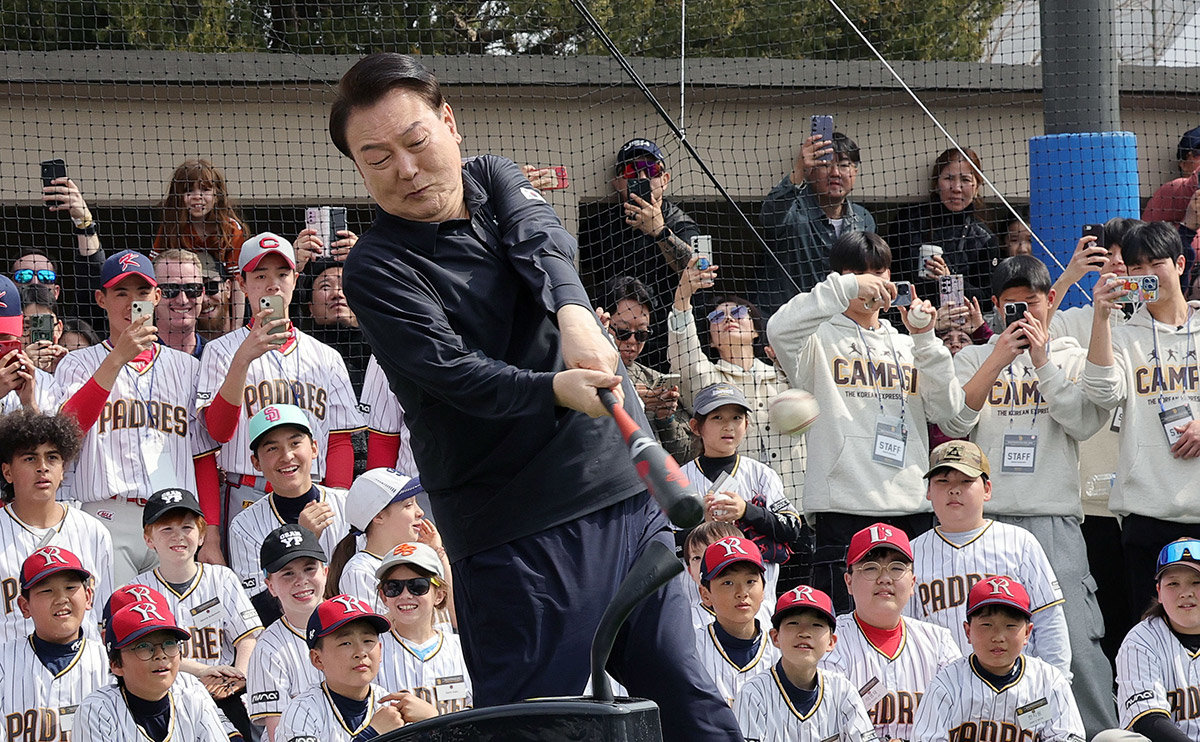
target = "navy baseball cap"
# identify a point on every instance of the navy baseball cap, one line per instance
(124, 264)
(12, 322)
(338, 611)
(638, 149)
(164, 501)
(1190, 142)
(718, 395)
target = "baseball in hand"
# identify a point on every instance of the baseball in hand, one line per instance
(918, 317)
(793, 411)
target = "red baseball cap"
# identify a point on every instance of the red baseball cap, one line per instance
(337, 612)
(875, 536)
(803, 597)
(50, 560)
(998, 590)
(138, 619)
(130, 594)
(723, 554)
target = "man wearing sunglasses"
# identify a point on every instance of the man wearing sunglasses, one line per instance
(182, 284)
(33, 266)
(647, 238)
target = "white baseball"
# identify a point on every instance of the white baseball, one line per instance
(793, 411)
(918, 317)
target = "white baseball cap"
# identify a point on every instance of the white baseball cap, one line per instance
(261, 245)
(374, 491)
(414, 553)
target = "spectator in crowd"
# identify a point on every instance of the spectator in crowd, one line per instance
(84, 268)
(216, 317)
(328, 318)
(877, 390)
(945, 234)
(1157, 484)
(38, 299)
(310, 247)
(648, 239)
(735, 331)
(197, 214)
(182, 286)
(1018, 240)
(806, 212)
(77, 334)
(1171, 201)
(22, 383)
(627, 317)
(34, 268)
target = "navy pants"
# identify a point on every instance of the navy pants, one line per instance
(528, 610)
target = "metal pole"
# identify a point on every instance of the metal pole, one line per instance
(1079, 66)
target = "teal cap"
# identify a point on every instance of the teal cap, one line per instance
(272, 416)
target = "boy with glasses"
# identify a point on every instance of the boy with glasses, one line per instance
(182, 285)
(893, 659)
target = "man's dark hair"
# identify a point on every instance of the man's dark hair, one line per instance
(41, 294)
(24, 430)
(1021, 271)
(1151, 241)
(1117, 229)
(80, 327)
(859, 252)
(620, 288)
(844, 146)
(26, 252)
(372, 78)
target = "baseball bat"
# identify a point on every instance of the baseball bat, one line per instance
(667, 483)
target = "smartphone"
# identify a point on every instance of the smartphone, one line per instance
(1097, 231)
(274, 302)
(337, 223)
(950, 291)
(560, 173)
(142, 309)
(903, 294)
(702, 246)
(51, 171)
(7, 346)
(1138, 289)
(1015, 312)
(668, 380)
(640, 187)
(822, 125)
(41, 327)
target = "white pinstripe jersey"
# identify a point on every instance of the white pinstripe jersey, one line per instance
(312, 717)
(47, 393)
(358, 579)
(702, 615)
(279, 670)
(729, 677)
(924, 650)
(1155, 672)
(385, 416)
(146, 435)
(78, 533)
(251, 527)
(440, 679)
(104, 717)
(766, 714)
(306, 373)
(36, 705)
(946, 571)
(960, 705)
(213, 609)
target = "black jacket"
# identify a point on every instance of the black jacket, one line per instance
(968, 248)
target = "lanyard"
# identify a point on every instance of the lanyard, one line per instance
(899, 371)
(1191, 351)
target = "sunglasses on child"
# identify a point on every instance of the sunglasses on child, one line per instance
(632, 170)
(1178, 551)
(417, 586)
(717, 316)
(622, 334)
(26, 275)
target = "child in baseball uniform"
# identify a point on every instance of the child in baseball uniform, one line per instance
(694, 544)
(135, 401)
(22, 383)
(1158, 665)
(998, 692)
(216, 611)
(144, 647)
(294, 565)
(343, 640)
(283, 449)
(389, 442)
(44, 676)
(35, 450)
(966, 547)
(733, 648)
(739, 489)
(878, 391)
(890, 659)
(797, 701)
(418, 656)
(271, 362)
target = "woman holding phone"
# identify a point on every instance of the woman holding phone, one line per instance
(944, 234)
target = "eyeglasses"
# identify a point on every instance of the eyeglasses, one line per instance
(1177, 551)
(26, 275)
(844, 165)
(145, 650)
(639, 335)
(717, 316)
(631, 170)
(190, 290)
(873, 570)
(417, 586)
(212, 288)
